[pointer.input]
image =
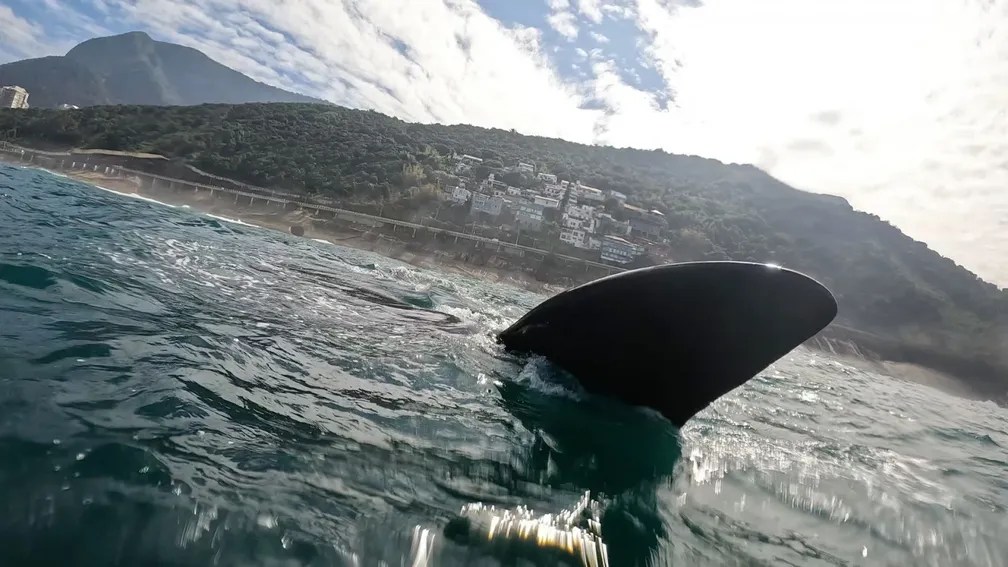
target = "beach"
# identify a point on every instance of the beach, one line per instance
(320, 229)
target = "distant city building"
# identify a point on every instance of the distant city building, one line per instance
(548, 178)
(615, 249)
(66, 106)
(514, 191)
(489, 204)
(526, 167)
(13, 97)
(620, 197)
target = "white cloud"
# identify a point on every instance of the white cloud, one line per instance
(898, 105)
(618, 11)
(591, 9)
(599, 38)
(433, 61)
(906, 101)
(564, 23)
(20, 38)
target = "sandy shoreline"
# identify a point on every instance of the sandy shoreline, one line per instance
(283, 220)
(314, 228)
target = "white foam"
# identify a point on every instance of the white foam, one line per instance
(136, 196)
(540, 375)
(225, 219)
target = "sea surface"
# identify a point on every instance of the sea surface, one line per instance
(177, 389)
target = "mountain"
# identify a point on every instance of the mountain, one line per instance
(132, 68)
(898, 298)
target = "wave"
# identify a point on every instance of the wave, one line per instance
(136, 196)
(230, 220)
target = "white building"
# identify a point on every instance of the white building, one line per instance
(13, 97)
(571, 222)
(580, 211)
(514, 191)
(490, 204)
(526, 167)
(617, 196)
(590, 194)
(529, 214)
(460, 194)
(615, 249)
(553, 190)
(546, 202)
(572, 236)
(548, 178)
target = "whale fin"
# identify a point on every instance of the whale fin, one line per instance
(675, 337)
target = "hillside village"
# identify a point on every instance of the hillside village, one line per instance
(596, 223)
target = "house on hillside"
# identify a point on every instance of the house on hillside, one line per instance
(644, 223)
(572, 236)
(460, 194)
(618, 250)
(529, 215)
(526, 167)
(546, 202)
(552, 190)
(590, 194)
(547, 178)
(489, 204)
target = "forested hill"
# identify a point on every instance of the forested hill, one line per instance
(913, 303)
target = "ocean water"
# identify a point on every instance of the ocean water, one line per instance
(177, 389)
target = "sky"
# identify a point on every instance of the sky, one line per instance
(901, 106)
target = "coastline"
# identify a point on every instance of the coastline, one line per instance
(401, 250)
(314, 228)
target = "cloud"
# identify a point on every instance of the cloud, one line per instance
(591, 9)
(562, 19)
(435, 61)
(900, 106)
(905, 102)
(620, 12)
(20, 38)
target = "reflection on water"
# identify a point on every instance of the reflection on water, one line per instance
(179, 390)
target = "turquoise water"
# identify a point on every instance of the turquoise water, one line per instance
(177, 389)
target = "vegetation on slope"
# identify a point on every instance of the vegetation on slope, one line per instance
(915, 304)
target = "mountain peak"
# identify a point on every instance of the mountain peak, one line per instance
(133, 68)
(125, 41)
